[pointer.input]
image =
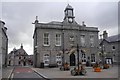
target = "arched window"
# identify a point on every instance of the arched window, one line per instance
(46, 59)
(83, 58)
(59, 59)
(93, 58)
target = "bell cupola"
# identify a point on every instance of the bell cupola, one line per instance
(69, 15)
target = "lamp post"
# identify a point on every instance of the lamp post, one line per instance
(102, 50)
(78, 55)
(63, 60)
(14, 55)
(103, 60)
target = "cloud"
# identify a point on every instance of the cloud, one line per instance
(19, 17)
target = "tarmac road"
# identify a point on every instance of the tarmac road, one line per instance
(24, 73)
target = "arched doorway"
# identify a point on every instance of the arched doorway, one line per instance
(72, 59)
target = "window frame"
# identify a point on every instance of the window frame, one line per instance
(93, 58)
(91, 40)
(44, 39)
(46, 58)
(82, 40)
(114, 47)
(84, 60)
(59, 59)
(59, 39)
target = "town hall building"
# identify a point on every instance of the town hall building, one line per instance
(56, 42)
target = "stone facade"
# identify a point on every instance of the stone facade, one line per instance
(4, 43)
(0, 46)
(56, 42)
(18, 57)
(109, 46)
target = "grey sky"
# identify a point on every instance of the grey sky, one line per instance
(19, 18)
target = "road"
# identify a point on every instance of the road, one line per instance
(24, 73)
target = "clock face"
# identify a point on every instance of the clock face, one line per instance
(70, 20)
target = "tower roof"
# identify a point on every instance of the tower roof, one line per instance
(68, 7)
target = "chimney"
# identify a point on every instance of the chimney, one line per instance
(105, 34)
(83, 24)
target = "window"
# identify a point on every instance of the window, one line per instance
(20, 57)
(82, 40)
(58, 40)
(113, 47)
(91, 40)
(46, 40)
(93, 58)
(46, 59)
(83, 58)
(72, 38)
(69, 12)
(59, 59)
(19, 62)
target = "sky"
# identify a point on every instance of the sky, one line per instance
(19, 17)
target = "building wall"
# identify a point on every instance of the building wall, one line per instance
(52, 50)
(4, 44)
(0, 45)
(110, 52)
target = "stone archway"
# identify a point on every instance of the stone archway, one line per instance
(72, 59)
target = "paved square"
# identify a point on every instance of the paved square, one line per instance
(112, 72)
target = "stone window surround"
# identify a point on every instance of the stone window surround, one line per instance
(82, 39)
(91, 40)
(113, 47)
(46, 59)
(59, 59)
(48, 39)
(93, 58)
(83, 58)
(58, 39)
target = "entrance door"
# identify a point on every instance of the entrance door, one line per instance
(72, 60)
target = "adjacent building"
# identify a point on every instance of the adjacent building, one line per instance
(56, 42)
(3, 43)
(30, 60)
(18, 57)
(110, 48)
(0, 46)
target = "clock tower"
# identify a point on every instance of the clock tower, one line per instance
(69, 15)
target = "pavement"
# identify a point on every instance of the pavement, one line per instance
(0, 73)
(6, 72)
(30, 73)
(112, 72)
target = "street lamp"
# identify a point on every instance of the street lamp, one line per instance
(78, 56)
(102, 51)
(63, 61)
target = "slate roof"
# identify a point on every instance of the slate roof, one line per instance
(69, 7)
(55, 22)
(113, 38)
